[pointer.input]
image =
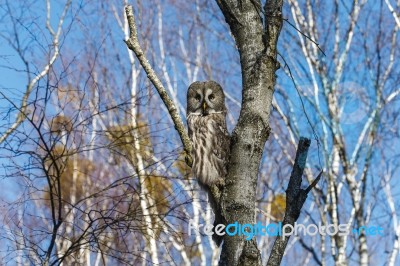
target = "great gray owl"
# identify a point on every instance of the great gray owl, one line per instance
(206, 118)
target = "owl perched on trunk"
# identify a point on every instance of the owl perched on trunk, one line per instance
(206, 118)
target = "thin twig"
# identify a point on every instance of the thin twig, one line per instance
(316, 137)
(306, 36)
(315, 182)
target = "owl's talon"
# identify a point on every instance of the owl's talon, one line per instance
(188, 160)
(220, 183)
(228, 182)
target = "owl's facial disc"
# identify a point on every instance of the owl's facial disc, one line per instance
(205, 98)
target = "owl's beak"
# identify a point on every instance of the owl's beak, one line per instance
(204, 106)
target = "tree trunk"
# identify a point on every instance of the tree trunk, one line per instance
(257, 49)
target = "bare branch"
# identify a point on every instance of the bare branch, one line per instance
(133, 44)
(295, 198)
(395, 15)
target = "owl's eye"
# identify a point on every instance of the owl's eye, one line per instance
(211, 97)
(198, 97)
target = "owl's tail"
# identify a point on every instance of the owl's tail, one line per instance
(214, 196)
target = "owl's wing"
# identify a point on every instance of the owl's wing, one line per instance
(221, 145)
